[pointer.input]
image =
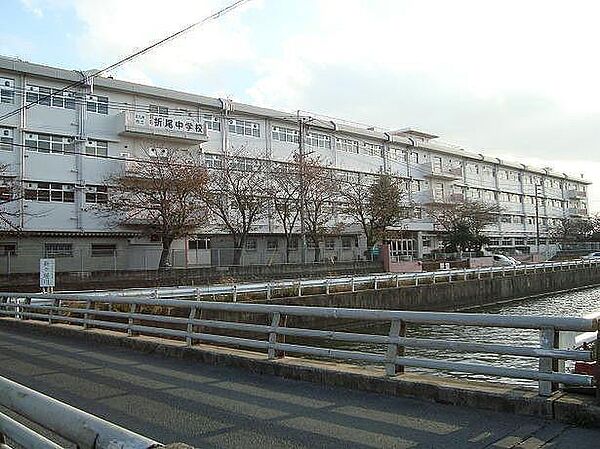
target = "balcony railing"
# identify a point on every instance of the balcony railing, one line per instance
(186, 129)
(577, 212)
(576, 194)
(445, 172)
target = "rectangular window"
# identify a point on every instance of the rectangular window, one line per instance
(104, 249)
(58, 250)
(46, 143)
(160, 110)
(8, 248)
(505, 219)
(507, 242)
(413, 157)
(494, 242)
(348, 145)
(96, 147)
(6, 139)
(318, 140)
(272, 244)
(96, 194)
(330, 244)
(211, 122)
(347, 242)
(97, 103)
(244, 127)
(285, 134)
(251, 245)
(436, 164)
(372, 149)
(7, 90)
(199, 244)
(49, 192)
(48, 96)
(398, 154)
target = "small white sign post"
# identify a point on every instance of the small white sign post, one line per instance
(47, 274)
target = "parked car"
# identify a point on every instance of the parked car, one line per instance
(500, 260)
(592, 256)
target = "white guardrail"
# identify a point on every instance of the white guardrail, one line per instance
(76, 426)
(191, 320)
(296, 287)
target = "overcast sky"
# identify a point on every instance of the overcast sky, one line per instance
(513, 79)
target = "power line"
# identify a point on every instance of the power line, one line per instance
(87, 79)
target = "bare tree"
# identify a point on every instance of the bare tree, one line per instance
(283, 189)
(161, 195)
(375, 205)
(463, 222)
(572, 230)
(237, 196)
(10, 194)
(321, 195)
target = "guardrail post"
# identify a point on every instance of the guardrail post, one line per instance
(132, 309)
(235, 293)
(375, 284)
(478, 273)
(300, 287)
(327, 286)
(190, 326)
(465, 275)
(433, 278)
(397, 329)
(55, 303)
(272, 353)
(546, 364)
(397, 280)
(86, 315)
(352, 284)
(268, 291)
(416, 279)
(491, 273)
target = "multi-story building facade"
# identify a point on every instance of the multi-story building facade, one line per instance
(63, 149)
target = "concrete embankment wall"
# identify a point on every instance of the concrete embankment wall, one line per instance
(458, 294)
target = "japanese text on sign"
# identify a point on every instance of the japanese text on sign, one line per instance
(182, 124)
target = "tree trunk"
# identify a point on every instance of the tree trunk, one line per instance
(287, 249)
(164, 255)
(237, 250)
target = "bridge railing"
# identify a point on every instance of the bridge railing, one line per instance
(84, 430)
(264, 328)
(328, 285)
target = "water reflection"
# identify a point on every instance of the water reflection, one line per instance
(574, 304)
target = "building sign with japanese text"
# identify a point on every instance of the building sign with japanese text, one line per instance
(169, 123)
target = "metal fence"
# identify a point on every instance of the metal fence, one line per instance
(138, 257)
(299, 287)
(84, 430)
(203, 321)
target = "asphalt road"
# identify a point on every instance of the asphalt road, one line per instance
(215, 407)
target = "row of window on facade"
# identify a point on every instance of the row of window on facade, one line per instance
(530, 220)
(63, 193)
(273, 244)
(62, 249)
(515, 241)
(492, 195)
(50, 143)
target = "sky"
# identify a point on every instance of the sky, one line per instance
(511, 79)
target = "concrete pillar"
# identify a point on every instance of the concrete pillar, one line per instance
(419, 240)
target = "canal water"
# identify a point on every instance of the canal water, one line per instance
(575, 304)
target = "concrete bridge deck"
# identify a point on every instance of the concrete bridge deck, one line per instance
(219, 407)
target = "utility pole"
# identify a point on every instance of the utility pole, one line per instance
(301, 166)
(537, 219)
